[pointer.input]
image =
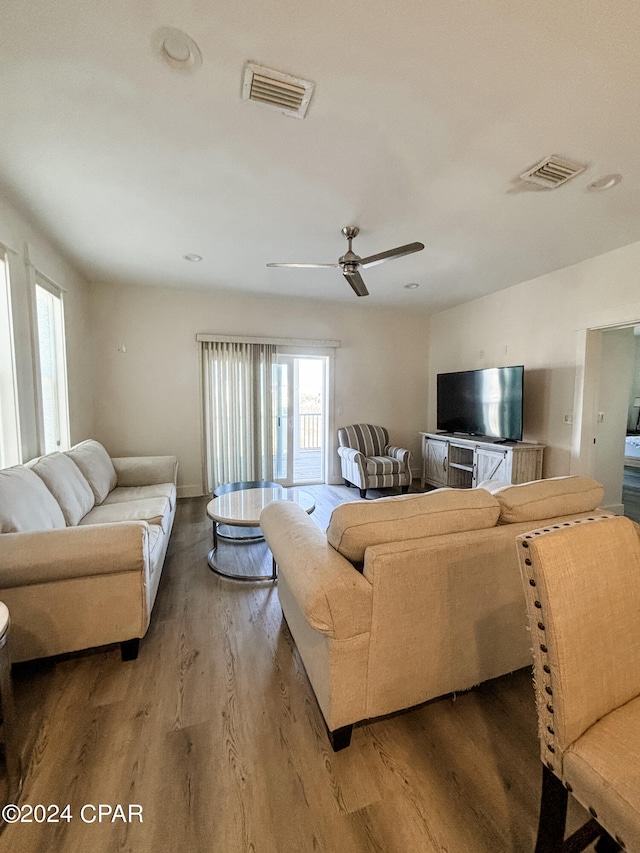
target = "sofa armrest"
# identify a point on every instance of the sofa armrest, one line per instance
(333, 596)
(145, 470)
(43, 556)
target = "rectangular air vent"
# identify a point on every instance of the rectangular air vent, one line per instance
(282, 92)
(552, 172)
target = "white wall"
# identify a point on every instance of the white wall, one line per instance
(25, 242)
(147, 399)
(542, 324)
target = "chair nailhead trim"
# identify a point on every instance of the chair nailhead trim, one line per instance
(548, 690)
(568, 787)
(621, 842)
(550, 748)
(532, 582)
(550, 708)
(537, 604)
(593, 812)
(550, 730)
(527, 561)
(543, 648)
(541, 626)
(547, 668)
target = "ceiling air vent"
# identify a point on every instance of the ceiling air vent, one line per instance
(282, 92)
(552, 172)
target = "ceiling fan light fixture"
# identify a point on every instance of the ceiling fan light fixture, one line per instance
(412, 286)
(192, 258)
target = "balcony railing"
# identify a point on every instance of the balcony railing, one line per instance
(310, 426)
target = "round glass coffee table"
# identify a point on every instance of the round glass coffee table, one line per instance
(242, 509)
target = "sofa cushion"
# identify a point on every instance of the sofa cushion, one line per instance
(96, 465)
(123, 494)
(550, 498)
(67, 484)
(355, 526)
(26, 504)
(152, 510)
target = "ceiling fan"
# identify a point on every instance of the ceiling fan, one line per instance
(350, 263)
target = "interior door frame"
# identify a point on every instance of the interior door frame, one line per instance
(588, 357)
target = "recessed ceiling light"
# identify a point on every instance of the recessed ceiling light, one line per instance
(195, 259)
(604, 183)
(177, 49)
(413, 286)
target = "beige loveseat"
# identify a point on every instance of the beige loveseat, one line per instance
(83, 539)
(407, 598)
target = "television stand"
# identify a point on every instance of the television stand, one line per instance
(463, 462)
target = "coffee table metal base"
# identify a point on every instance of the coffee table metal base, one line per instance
(232, 575)
(241, 508)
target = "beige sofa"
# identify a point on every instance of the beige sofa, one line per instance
(82, 545)
(407, 598)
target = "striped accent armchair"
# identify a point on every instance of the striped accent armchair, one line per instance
(368, 461)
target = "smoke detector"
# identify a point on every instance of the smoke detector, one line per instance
(552, 172)
(275, 89)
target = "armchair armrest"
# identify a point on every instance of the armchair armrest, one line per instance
(353, 465)
(43, 556)
(351, 455)
(399, 453)
(145, 470)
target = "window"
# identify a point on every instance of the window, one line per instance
(54, 409)
(10, 453)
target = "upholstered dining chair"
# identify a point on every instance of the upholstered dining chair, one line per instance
(582, 585)
(368, 461)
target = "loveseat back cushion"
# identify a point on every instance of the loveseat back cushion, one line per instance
(96, 465)
(353, 527)
(26, 504)
(542, 499)
(67, 484)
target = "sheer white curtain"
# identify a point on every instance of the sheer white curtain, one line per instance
(238, 415)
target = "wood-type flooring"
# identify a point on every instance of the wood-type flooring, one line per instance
(214, 731)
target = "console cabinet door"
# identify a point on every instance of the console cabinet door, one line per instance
(435, 459)
(491, 465)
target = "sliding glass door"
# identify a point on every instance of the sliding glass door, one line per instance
(299, 419)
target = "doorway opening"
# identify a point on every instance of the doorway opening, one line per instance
(300, 419)
(610, 415)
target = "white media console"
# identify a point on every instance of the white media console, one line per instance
(465, 461)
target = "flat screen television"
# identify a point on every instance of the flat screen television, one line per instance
(484, 402)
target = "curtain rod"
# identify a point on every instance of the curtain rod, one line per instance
(247, 339)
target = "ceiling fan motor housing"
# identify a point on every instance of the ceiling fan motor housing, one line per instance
(350, 231)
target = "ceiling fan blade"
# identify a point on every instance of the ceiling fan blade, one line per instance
(372, 260)
(356, 282)
(307, 266)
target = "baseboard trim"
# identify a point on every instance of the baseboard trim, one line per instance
(190, 491)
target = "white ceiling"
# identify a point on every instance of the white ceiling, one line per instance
(424, 114)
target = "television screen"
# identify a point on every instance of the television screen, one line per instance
(482, 402)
